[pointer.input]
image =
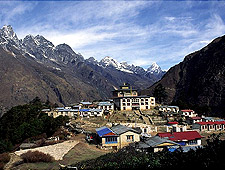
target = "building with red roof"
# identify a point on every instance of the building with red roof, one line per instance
(183, 138)
(191, 120)
(188, 113)
(176, 127)
(209, 126)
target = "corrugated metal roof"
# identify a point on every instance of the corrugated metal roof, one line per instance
(95, 110)
(87, 103)
(84, 110)
(102, 131)
(156, 140)
(105, 104)
(120, 129)
(181, 136)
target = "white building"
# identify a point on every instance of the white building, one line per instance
(107, 107)
(188, 113)
(174, 109)
(90, 112)
(134, 102)
(175, 127)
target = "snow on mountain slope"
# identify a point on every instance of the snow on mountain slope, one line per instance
(110, 62)
(154, 68)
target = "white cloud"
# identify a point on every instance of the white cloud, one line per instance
(11, 10)
(126, 31)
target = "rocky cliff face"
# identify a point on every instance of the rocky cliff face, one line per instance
(199, 79)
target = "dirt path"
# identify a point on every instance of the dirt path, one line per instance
(57, 151)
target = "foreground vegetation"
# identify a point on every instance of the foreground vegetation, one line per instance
(211, 156)
(26, 121)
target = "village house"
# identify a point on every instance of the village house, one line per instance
(127, 98)
(106, 106)
(117, 136)
(175, 127)
(187, 138)
(209, 126)
(62, 111)
(188, 113)
(211, 119)
(174, 109)
(155, 144)
(146, 129)
(192, 120)
(90, 113)
(168, 111)
(86, 104)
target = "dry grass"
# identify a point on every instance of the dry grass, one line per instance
(80, 152)
(36, 156)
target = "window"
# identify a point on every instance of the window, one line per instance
(124, 108)
(192, 142)
(111, 140)
(135, 100)
(146, 107)
(130, 138)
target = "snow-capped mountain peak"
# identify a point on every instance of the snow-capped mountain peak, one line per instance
(8, 32)
(109, 61)
(8, 35)
(154, 68)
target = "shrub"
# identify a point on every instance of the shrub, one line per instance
(36, 156)
(2, 165)
(4, 159)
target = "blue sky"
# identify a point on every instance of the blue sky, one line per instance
(139, 32)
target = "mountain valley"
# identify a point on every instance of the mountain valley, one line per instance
(33, 66)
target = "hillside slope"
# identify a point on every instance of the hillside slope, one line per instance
(22, 79)
(199, 79)
(34, 67)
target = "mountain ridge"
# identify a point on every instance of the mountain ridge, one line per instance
(56, 73)
(199, 79)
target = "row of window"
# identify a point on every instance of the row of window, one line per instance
(130, 138)
(128, 104)
(211, 126)
(105, 107)
(137, 100)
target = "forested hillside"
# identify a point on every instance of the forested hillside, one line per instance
(25, 121)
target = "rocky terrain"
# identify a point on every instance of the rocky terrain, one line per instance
(34, 66)
(199, 79)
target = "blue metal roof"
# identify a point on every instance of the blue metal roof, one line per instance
(84, 110)
(102, 131)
